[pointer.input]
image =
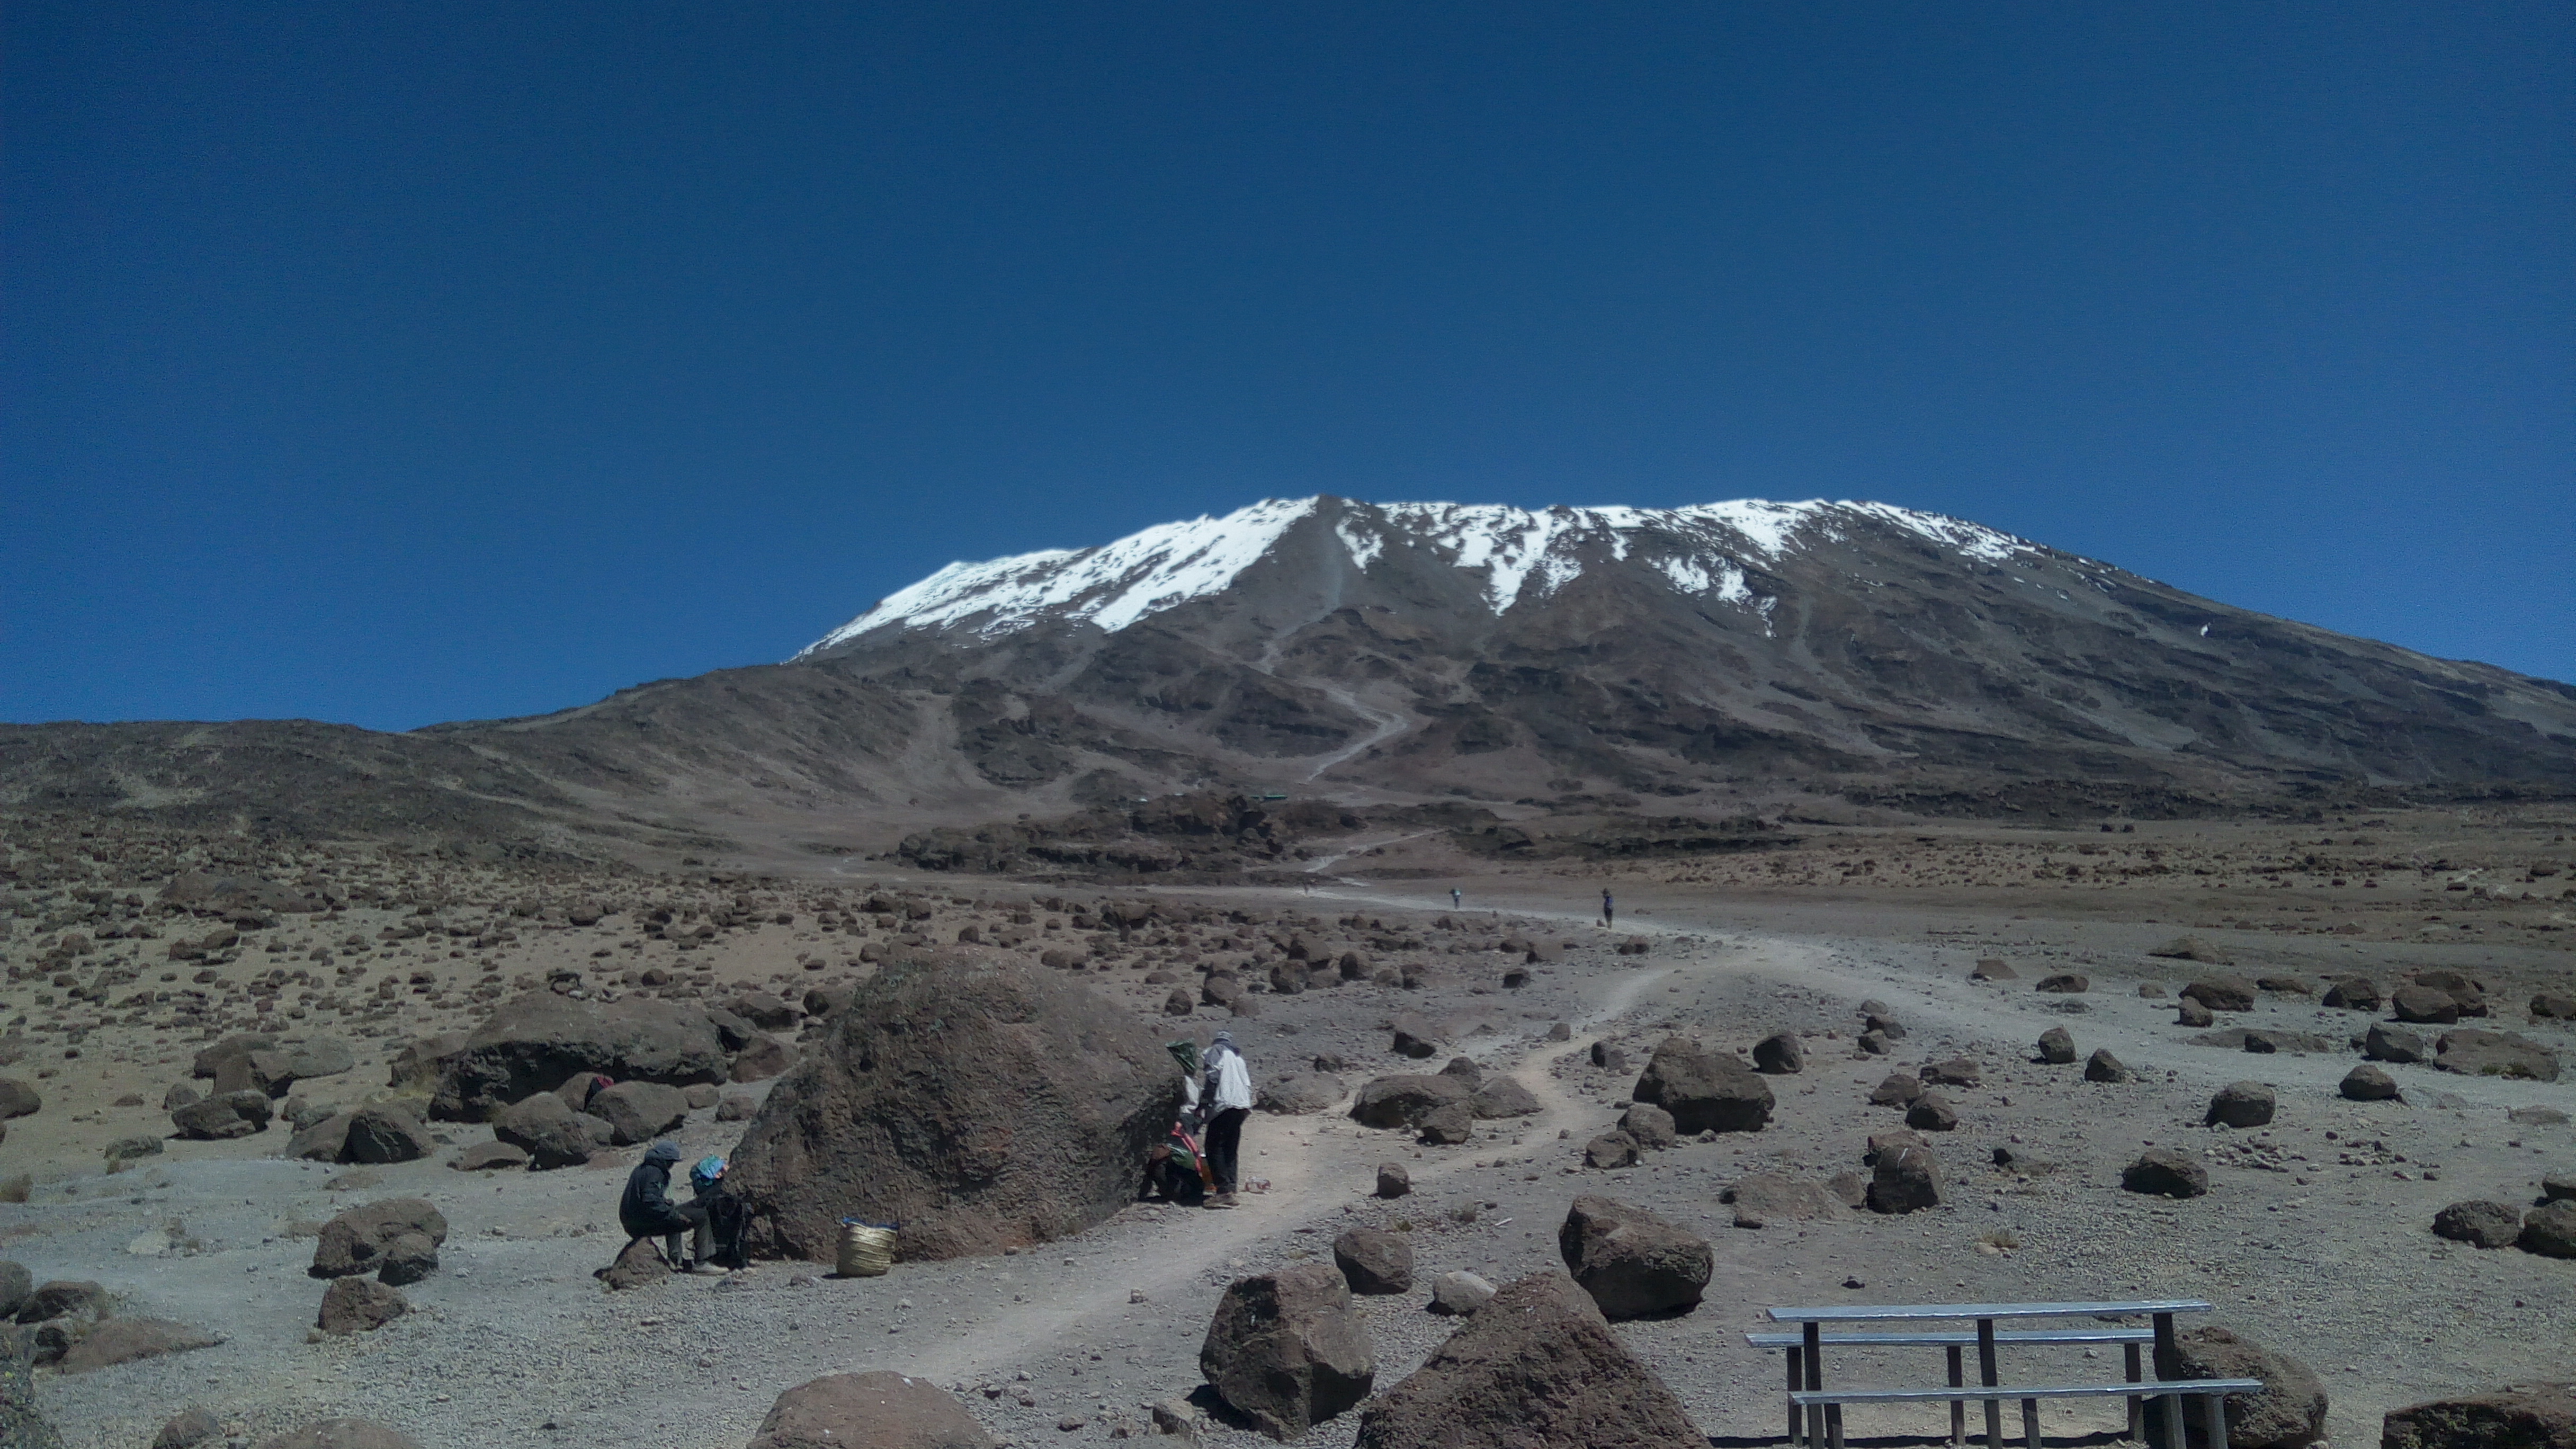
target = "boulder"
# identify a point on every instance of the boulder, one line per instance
(1298, 1094)
(761, 1058)
(1994, 968)
(2189, 1012)
(2221, 993)
(1633, 1263)
(223, 1116)
(2474, 1053)
(637, 1265)
(1448, 1124)
(18, 1099)
(1932, 1112)
(2423, 1005)
(2057, 1047)
(2065, 982)
(877, 1410)
(1956, 1072)
(379, 1135)
(186, 1429)
(490, 1157)
(2192, 948)
(1179, 1003)
(2239, 1104)
(1459, 1293)
(1705, 1091)
(2534, 1416)
(1403, 1101)
(2288, 1412)
(17, 1285)
(532, 1042)
(768, 1012)
(552, 1134)
(324, 1141)
(2553, 1006)
(981, 1103)
(1905, 1179)
(2392, 1044)
(2479, 1224)
(1763, 1198)
(2366, 1083)
(1650, 1127)
(736, 1107)
(2550, 1229)
(2553, 1187)
(1393, 1180)
(2165, 1172)
(2354, 993)
(1898, 1089)
(2469, 995)
(341, 1434)
(638, 1112)
(378, 1235)
(1287, 1349)
(123, 1340)
(2104, 1067)
(1466, 1068)
(354, 1305)
(64, 1298)
(1375, 1262)
(1536, 1368)
(1610, 1151)
(1503, 1097)
(1415, 1038)
(1780, 1054)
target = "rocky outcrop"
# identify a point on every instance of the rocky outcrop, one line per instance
(2288, 1412)
(123, 1340)
(1287, 1350)
(981, 1104)
(1537, 1367)
(2534, 1416)
(531, 1043)
(2474, 1053)
(396, 1238)
(1705, 1091)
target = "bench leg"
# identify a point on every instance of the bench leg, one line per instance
(1986, 1376)
(1958, 1407)
(2214, 1419)
(2137, 1406)
(1821, 1415)
(2030, 1423)
(2168, 1361)
(1797, 1381)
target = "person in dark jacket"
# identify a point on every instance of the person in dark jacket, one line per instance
(646, 1211)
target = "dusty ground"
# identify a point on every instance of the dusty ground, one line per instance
(2314, 1243)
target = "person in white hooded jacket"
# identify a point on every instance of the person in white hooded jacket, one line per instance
(1225, 1101)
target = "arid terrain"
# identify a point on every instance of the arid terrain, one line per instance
(131, 948)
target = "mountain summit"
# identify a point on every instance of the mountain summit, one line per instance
(1720, 655)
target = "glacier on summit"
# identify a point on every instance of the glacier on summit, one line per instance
(1700, 550)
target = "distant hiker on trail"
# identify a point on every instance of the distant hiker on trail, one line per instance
(1606, 913)
(1456, 900)
(646, 1211)
(1227, 1100)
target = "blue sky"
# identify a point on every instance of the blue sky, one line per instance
(395, 363)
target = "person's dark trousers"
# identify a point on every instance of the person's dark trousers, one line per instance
(1224, 1142)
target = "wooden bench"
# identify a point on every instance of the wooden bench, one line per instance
(1809, 1402)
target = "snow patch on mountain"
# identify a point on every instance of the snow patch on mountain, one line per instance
(1707, 550)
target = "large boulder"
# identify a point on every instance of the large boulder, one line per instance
(123, 1340)
(982, 1104)
(388, 1237)
(2221, 993)
(379, 1135)
(341, 1434)
(552, 1134)
(2165, 1172)
(2550, 1229)
(2475, 1053)
(1705, 1091)
(1633, 1263)
(638, 1112)
(2366, 1083)
(1403, 1101)
(2392, 1044)
(1287, 1350)
(1904, 1179)
(1504, 1097)
(1781, 1053)
(2534, 1416)
(1763, 1198)
(531, 1043)
(2240, 1104)
(1298, 1094)
(1537, 1367)
(323, 1140)
(2354, 993)
(877, 1410)
(19, 1099)
(2288, 1412)
(2479, 1224)
(276, 1069)
(1374, 1261)
(223, 1116)
(2424, 1005)
(354, 1305)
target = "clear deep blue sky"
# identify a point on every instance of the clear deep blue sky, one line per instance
(394, 363)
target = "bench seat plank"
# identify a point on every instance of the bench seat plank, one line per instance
(1938, 1337)
(2150, 1388)
(1916, 1311)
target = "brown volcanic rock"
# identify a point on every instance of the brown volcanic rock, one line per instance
(2288, 1412)
(981, 1104)
(1537, 1367)
(1288, 1350)
(532, 1043)
(1631, 1261)
(2533, 1416)
(1705, 1091)
(869, 1411)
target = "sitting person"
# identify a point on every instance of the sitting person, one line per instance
(1172, 1171)
(646, 1210)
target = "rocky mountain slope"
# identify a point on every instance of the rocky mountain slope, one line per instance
(1396, 652)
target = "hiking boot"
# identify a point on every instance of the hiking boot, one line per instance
(1221, 1200)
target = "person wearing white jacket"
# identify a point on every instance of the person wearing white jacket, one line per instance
(1226, 1101)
